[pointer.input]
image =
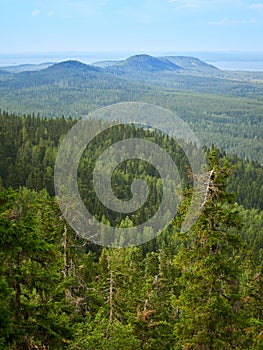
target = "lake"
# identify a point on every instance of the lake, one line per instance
(238, 65)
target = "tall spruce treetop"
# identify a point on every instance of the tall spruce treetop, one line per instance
(209, 305)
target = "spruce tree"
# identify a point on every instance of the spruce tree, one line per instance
(209, 306)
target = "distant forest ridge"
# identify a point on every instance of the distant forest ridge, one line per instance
(223, 108)
(244, 60)
(146, 62)
(251, 62)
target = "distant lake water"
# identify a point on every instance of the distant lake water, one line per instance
(87, 57)
(239, 65)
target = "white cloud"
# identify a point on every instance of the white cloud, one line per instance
(35, 13)
(200, 3)
(258, 7)
(226, 21)
(50, 13)
(187, 3)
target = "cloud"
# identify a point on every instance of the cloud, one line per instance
(35, 13)
(50, 13)
(258, 7)
(187, 3)
(200, 3)
(226, 21)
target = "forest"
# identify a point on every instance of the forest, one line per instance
(199, 289)
(222, 108)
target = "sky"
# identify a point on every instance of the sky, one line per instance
(139, 26)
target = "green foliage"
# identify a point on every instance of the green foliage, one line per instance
(58, 291)
(247, 183)
(35, 311)
(210, 303)
(252, 232)
(99, 333)
(29, 146)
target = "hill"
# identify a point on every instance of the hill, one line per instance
(224, 112)
(183, 73)
(150, 64)
(26, 67)
(142, 64)
(105, 63)
(192, 64)
(69, 87)
(69, 72)
(71, 66)
(4, 75)
(64, 75)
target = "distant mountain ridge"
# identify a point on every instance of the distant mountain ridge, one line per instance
(221, 105)
(26, 67)
(105, 63)
(134, 65)
(64, 74)
(136, 72)
(143, 63)
(140, 68)
(150, 64)
(73, 65)
(191, 63)
(4, 74)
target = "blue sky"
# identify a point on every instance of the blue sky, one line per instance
(133, 25)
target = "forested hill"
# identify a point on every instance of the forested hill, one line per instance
(141, 64)
(221, 110)
(193, 64)
(69, 73)
(179, 72)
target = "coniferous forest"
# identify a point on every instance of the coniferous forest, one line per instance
(199, 289)
(194, 289)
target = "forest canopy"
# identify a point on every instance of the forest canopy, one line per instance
(201, 289)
